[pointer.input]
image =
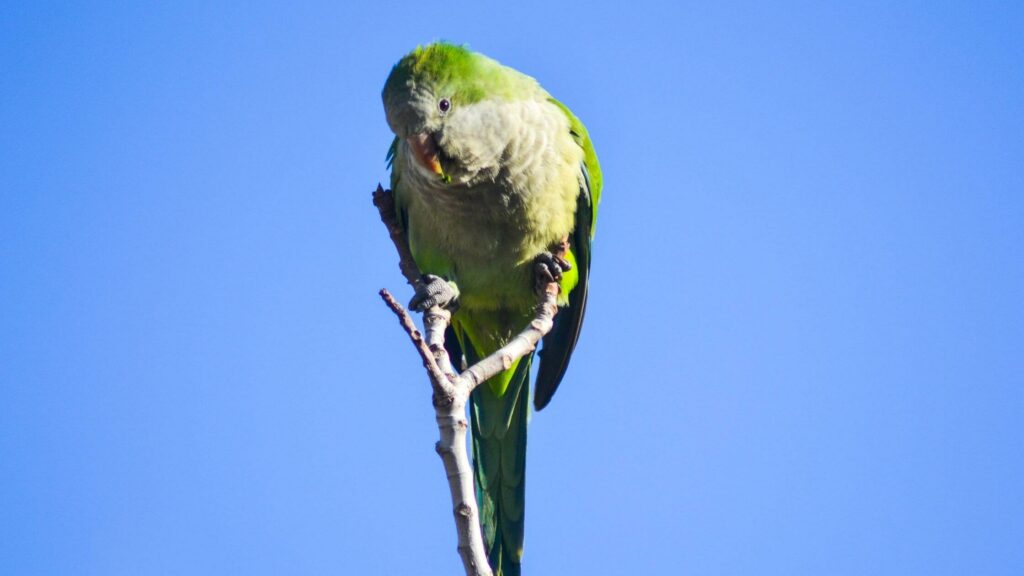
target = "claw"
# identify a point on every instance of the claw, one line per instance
(434, 291)
(562, 263)
(548, 268)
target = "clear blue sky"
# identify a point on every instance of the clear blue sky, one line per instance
(803, 352)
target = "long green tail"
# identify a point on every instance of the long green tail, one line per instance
(499, 463)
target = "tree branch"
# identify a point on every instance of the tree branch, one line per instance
(384, 200)
(437, 376)
(520, 346)
(451, 391)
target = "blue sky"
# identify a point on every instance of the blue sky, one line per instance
(803, 351)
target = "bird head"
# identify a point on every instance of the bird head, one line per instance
(443, 102)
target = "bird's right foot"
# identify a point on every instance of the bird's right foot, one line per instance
(435, 291)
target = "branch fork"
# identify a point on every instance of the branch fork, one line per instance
(452, 388)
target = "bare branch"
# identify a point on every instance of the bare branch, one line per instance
(384, 200)
(449, 400)
(435, 322)
(519, 346)
(435, 319)
(437, 377)
(451, 392)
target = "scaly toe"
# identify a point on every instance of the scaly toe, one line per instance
(434, 291)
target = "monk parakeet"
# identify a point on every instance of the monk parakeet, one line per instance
(497, 186)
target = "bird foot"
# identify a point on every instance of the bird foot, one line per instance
(435, 291)
(548, 267)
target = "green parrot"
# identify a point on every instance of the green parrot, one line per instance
(497, 186)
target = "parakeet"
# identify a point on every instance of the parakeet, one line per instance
(497, 186)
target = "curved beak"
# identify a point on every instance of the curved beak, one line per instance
(425, 149)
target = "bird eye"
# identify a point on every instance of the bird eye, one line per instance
(444, 105)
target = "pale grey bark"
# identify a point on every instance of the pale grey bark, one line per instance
(452, 390)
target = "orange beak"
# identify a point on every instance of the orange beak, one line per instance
(426, 152)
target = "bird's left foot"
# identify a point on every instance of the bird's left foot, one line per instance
(549, 266)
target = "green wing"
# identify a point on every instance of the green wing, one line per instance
(560, 342)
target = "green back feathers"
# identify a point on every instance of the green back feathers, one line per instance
(593, 167)
(561, 340)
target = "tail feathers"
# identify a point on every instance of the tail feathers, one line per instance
(499, 463)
